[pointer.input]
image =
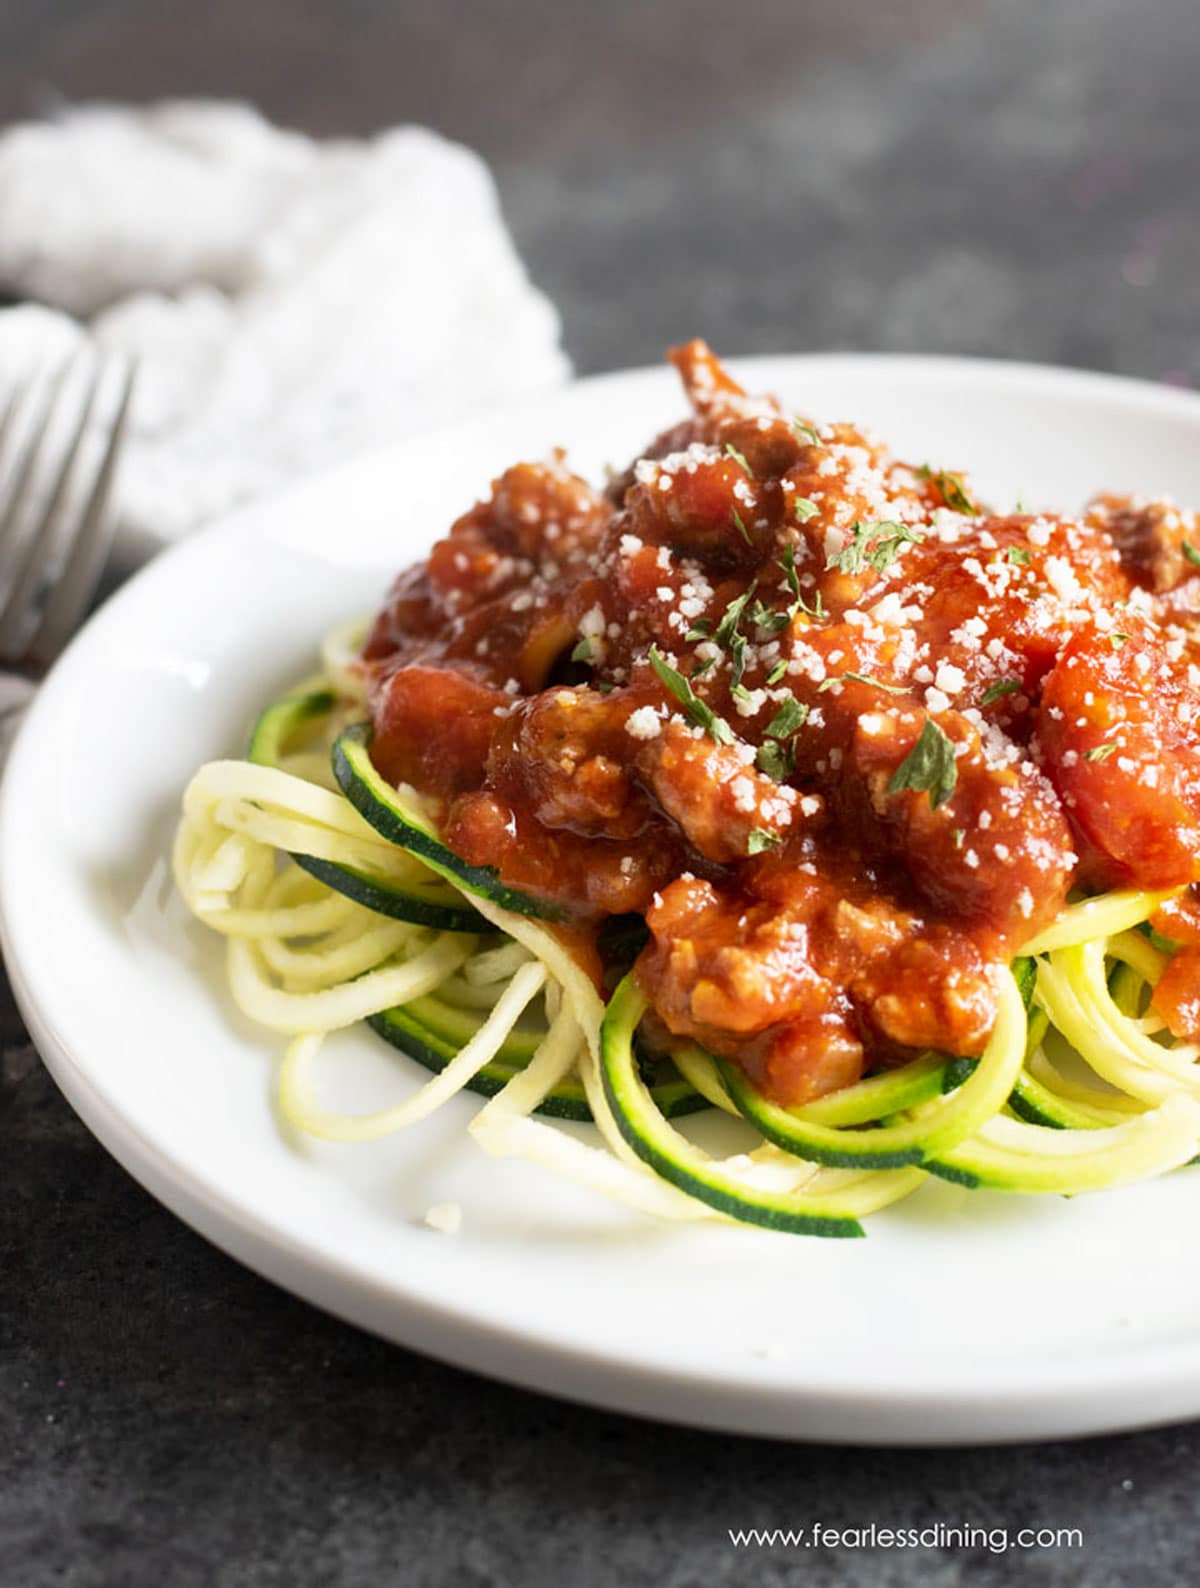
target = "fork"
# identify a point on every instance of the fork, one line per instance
(58, 464)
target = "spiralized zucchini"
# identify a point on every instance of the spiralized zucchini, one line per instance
(328, 922)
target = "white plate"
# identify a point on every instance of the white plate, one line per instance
(963, 1316)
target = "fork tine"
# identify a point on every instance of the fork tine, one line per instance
(48, 545)
(16, 522)
(10, 409)
(20, 397)
(74, 589)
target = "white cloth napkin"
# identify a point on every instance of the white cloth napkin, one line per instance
(290, 303)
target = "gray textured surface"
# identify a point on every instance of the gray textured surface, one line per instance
(1013, 178)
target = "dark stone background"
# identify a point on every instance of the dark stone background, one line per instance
(1016, 178)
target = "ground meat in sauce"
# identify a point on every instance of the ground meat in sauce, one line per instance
(841, 736)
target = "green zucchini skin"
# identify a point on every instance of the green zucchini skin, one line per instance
(386, 899)
(433, 1032)
(823, 1144)
(419, 1041)
(1037, 1105)
(379, 805)
(276, 724)
(644, 1128)
(1024, 971)
(983, 1165)
(268, 741)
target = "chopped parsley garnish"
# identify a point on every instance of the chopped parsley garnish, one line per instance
(740, 459)
(706, 666)
(791, 716)
(732, 616)
(929, 767)
(776, 759)
(804, 508)
(740, 525)
(737, 649)
(787, 561)
(1191, 553)
(585, 651)
(998, 690)
(759, 840)
(1099, 752)
(1117, 640)
(1020, 555)
(887, 548)
(876, 542)
(862, 678)
(700, 630)
(952, 487)
(701, 714)
(765, 617)
(777, 672)
(807, 431)
(960, 837)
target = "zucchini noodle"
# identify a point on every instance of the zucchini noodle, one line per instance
(338, 906)
(339, 652)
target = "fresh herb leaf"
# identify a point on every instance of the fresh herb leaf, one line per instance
(807, 431)
(763, 617)
(732, 616)
(777, 672)
(737, 649)
(776, 760)
(740, 525)
(1117, 640)
(1191, 553)
(804, 508)
(998, 690)
(703, 667)
(853, 556)
(953, 489)
(960, 837)
(741, 695)
(791, 716)
(585, 651)
(887, 547)
(862, 678)
(700, 630)
(877, 683)
(787, 561)
(740, 459)
(874, 542)
(1020, 555)
(701, 714)
(1099, 752)
(929, 767)
(759, 840)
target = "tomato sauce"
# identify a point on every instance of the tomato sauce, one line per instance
(840, 735)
